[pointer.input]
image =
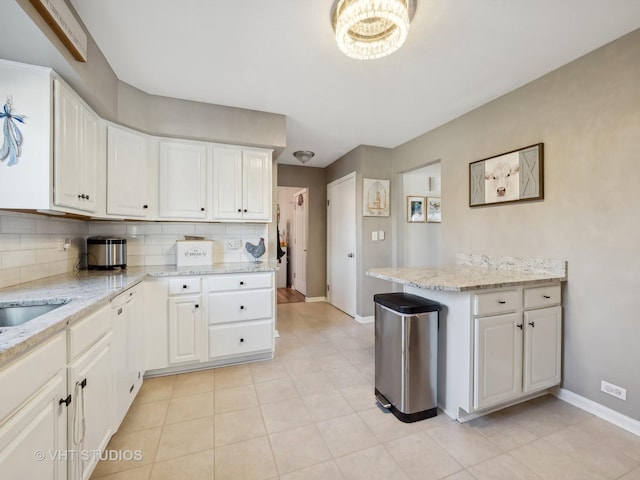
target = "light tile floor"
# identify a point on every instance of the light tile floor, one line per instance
(310, 414)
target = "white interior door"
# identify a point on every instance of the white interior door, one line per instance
(300, 215)
(341, 263)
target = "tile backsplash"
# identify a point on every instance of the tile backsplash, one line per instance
(32, 246)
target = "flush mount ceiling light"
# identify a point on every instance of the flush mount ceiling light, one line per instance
(369, 29)
(303, 156)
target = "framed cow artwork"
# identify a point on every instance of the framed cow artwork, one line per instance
(510, 177)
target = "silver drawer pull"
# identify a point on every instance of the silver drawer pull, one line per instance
(546, 296)
(501, 302)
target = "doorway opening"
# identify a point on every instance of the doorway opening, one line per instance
(420, 245)
(292, 226)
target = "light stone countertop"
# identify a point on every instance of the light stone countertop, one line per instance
(85, 291)
(476, 272)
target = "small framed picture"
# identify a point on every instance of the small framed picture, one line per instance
(434, 212)
(415, 209)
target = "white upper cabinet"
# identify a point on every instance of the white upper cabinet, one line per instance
(127, 173)
(53, 161)
(183, 180)
(256, 185)
(227, 178)
(241, 184)
(60, 149)
(76, 149)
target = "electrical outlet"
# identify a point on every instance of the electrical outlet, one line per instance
(613, 390)
(381, 235)
(374, 236)
(234, 244)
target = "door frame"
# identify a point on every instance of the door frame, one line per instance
(295, 267)
(349, 176)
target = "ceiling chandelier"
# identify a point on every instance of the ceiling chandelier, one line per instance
(368, 29)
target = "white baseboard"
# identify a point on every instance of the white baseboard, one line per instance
(605, 413)
(315, 299)
(360, 319)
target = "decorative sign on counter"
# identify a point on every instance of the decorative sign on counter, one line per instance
(65, 26)
(511, 177)
(194, 252)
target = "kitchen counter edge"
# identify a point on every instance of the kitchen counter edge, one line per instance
(86, 291)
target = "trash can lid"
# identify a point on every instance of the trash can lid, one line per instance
(406, 303)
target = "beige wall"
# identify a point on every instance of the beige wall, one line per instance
(313, 179)
(27, 38)
(367, 162)
(587, 113)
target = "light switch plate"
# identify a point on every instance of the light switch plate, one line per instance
(374, 236)
(234, 244)
(381, 235)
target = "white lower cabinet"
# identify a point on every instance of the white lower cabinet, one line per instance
(33, 413)
(90, 416)
(209, 321)
(33, 442)
(498, 359)
(515, 353)
(240, 313)
(543, 348)
(185, 329)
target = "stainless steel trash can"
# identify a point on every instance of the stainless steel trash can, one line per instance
(406, 355)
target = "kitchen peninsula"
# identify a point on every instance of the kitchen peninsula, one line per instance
(500, 333)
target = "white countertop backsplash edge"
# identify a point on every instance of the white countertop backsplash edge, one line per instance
(534, 265)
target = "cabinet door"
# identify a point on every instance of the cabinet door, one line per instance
(227, 184)
(185, 329)
(497, 359)
(91, 386)
(126, 173)
(542, 348)
(75, 151)
(256, 186)
(67, 145)
(38, 428)
(90, 148)
(183, 180)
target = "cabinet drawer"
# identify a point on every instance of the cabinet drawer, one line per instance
(23, 378)
(239, 306)
(219, 283)
(240, 339)
(178, 286)
(87, 331)
(496, 302)
(541, 296)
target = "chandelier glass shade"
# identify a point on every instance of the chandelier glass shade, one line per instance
(369, 29)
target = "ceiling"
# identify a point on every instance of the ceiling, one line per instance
(280, 56)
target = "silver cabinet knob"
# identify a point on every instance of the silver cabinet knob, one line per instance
(350, 255)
